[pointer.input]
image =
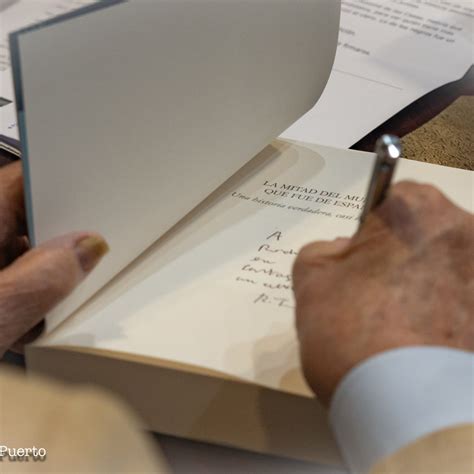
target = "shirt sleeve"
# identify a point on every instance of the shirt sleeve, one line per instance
(398, 396)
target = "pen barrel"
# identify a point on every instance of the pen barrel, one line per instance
(388, 150)
(382, 185)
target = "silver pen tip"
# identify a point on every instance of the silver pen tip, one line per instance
(388, 146)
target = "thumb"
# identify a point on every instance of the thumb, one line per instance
(41, 278)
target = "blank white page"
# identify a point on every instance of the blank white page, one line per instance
(132, 114)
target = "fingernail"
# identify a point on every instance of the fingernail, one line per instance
(90, 251)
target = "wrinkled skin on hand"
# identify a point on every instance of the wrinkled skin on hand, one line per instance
(32, 282)
(406, 278)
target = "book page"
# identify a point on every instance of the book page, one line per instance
(125, 134)
(390, 53)
(216, 292)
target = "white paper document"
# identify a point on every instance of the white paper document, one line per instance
(14, 15)
(390, 53)
(216, 291)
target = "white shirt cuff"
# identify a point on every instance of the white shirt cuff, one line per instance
(394, 398)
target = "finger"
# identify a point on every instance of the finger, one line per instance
(12, 209)
(323, 248)
(316, 255)
(41, 278)
(19, 346)
(17, 247)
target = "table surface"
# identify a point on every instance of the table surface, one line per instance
(420, 111)
(190, 457)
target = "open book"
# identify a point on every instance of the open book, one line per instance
(198, 333)
(190, 318)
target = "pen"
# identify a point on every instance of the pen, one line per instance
(388, 150)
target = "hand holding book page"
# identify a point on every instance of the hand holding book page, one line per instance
(390, 53)
(216, 291)
(142, 131)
